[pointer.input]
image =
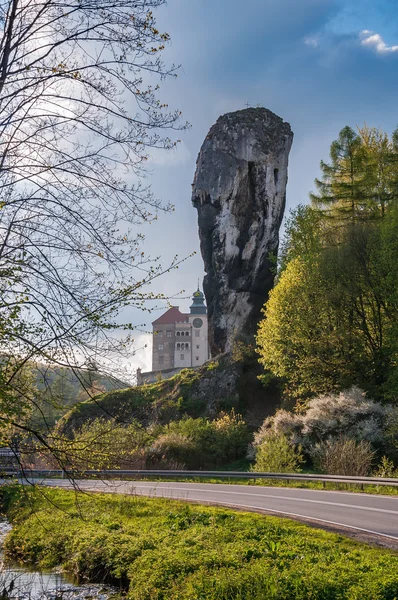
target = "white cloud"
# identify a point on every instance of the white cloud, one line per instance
(376, 42)
(311, 41)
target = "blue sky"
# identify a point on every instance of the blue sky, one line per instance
(319, 64)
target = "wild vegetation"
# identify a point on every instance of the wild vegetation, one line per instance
(192, 443)
(344, 433)
(159, 549)
(331, 320)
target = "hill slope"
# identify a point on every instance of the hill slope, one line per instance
(218, 385)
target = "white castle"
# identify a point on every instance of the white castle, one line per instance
(181, 339)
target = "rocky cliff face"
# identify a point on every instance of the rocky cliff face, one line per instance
(239, 191)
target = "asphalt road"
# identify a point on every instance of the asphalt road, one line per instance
(366, 513)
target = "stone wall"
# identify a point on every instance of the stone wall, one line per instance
(153, 376)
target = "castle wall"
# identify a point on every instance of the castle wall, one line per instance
(163, 344)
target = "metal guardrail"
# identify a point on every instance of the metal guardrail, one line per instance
(113, 474)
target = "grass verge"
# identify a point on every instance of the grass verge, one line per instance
(383, 490)
(159, 549)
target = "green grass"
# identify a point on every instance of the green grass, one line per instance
(162, 549)
(169, 399)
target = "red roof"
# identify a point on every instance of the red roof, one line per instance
(173, 315)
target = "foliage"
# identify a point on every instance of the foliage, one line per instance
(343, 456)
(243, 353)
(305, 347)
(332, 426)
(347, 413)
(163, 549)
(192, 443)
(330, 322)
(58, 389)
(105, 445)
(386, 468)
(276, 454)
(201, 443)
(342, 187)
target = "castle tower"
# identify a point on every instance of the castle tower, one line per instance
(198, 321)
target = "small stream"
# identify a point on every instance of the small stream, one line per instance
(44, 585)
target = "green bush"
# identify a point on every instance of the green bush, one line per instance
(276, 454)
(103, 444)
(386, 468)
(200, 443)
(188, 443)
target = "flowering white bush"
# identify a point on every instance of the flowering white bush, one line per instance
(283, 422)
(349, 414)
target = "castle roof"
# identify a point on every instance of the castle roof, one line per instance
(173, 315)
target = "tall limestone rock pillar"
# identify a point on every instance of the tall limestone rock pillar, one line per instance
(239, 191)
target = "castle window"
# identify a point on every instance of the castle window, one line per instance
(187, 333)
(178, 333)
(186, 345)
(197, 333)
(197, 358)
(160, 346)
(178, 346)
(182, 356)
(197, 347)
(168, 333)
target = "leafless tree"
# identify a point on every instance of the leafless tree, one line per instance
(79, 113)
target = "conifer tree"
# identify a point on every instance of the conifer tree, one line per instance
(341, 190)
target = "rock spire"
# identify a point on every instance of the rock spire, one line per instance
(239, 191)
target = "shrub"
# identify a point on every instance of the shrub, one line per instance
(231, 437)
(189, 443)
(104, 444)
(386, 468)
(200, 443)
(174, 448)
(276, 454)
(282, 423)
(343, 456)
(391, 433)
(332, 416)
(348, 413)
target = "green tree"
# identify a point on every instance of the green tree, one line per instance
(303, 338)
(331, 320)
(341, 190)
(381, 162)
